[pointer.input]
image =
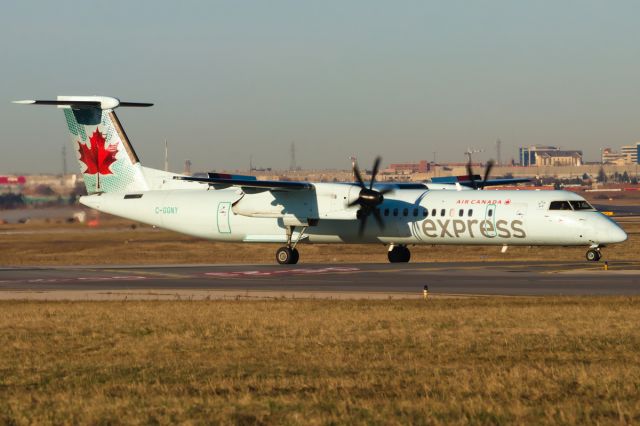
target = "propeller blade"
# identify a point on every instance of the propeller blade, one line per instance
(474, 185)
(354, 202)
(356, 172)
(363, 224)
(376, 215)
(374, 172)
(386, 190)
(487, 172)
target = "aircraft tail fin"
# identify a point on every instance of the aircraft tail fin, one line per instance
(106, 157)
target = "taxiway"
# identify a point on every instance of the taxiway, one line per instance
(315, 280)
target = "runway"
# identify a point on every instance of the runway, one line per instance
(336, 280)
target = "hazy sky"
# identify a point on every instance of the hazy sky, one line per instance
(401, 79)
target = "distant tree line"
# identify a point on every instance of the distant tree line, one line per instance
(616, 177)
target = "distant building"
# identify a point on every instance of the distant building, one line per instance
(609, 156)
(12, 184)
(543, 155)
(421, 167)
(559, 158)
(628, 154)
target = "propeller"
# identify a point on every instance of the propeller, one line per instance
(368, 198)
(487, 172)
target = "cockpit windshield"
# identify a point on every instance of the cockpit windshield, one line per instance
(581, 205)
(570, 205)
(560, 205)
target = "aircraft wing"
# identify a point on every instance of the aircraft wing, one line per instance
(222, 180)
(466, 180)
(498, 182)
(400, 185)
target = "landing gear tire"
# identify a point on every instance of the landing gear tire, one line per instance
(593, 255)
(399, 254)
(287, 256)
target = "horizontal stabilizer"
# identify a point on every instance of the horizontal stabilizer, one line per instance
(79, 102)
(249, 183)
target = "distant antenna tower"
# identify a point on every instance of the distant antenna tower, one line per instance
(64, 160)
(498, 151)
(187, 167)
(354, 161)
(250, 164)
(292, 161)
(166, 156)
(470, 152)
(64, 165)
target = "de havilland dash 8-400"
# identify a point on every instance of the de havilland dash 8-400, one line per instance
(237, 208)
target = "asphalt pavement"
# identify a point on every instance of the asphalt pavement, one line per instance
(454, 278)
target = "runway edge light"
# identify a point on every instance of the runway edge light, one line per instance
(425, 292)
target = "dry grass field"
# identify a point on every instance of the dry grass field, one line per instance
(445, 361)
(115, 242)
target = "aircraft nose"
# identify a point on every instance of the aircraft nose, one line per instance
(613, 233)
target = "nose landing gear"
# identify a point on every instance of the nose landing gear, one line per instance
(593, 254)
(399, 254)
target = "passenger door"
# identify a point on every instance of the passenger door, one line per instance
(224, 210)
(490, 216)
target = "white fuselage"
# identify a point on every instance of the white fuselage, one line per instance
(411, 216)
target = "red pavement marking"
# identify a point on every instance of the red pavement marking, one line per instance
(302, 271)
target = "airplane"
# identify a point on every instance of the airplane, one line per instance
(236, 208)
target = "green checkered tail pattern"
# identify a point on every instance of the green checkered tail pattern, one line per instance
(107, 160)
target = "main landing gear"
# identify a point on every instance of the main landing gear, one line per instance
(399, 254)
(289, 255)
(593, 254)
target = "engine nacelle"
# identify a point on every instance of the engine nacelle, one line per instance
(328, 201)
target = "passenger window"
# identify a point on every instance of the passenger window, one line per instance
(470, 213)
(559, 205)
(442, 212)
(415, 212)
(425, 212)
(461, 212)
(490, 212)
(386, 212)
(433, 212)
(395, 212)
(405, 212)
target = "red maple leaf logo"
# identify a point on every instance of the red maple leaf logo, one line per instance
(98, 158)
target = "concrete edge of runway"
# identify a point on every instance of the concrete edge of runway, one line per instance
(203, 295)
